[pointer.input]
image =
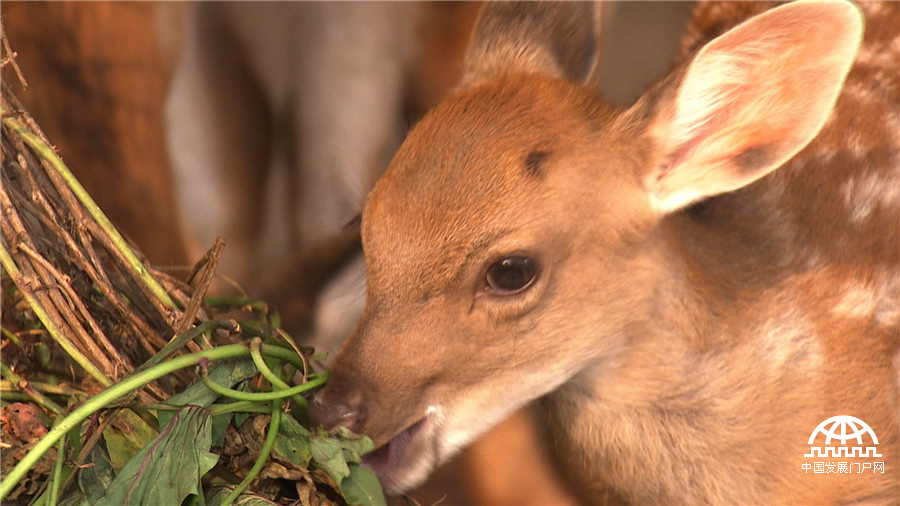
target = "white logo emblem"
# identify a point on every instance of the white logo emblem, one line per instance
(843, 429)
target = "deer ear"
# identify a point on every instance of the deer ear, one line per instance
(750, 100)
(557, 39)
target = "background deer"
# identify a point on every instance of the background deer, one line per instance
(688, 312)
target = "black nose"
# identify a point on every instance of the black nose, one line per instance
(331, 415)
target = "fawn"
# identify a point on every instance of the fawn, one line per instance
(687, 313)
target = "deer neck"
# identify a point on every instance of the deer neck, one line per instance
(690, 364)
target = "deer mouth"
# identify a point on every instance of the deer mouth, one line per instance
(406, 459)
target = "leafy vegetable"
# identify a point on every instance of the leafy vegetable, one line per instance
(168, 469)
(361, 487)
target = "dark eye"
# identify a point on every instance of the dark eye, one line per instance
(511, 275)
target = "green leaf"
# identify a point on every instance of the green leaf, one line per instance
(93, 479)
(96, 476)
(275, 320)
(329, 457)
(354, 445)
(362, 487)
(333, 454)
(217, 495)
(168, 469)
(226, 373)
(126, 436)
(292, 443)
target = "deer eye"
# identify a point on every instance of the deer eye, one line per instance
(511, 275)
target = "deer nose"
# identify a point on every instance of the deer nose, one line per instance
(331, 415)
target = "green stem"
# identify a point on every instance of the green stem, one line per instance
(267, 373)
(133, 382)
(277, 383)
(220, 302)
(180, 340)
(44, 388)
(104, 398)
(274, 423)
(238, 406)
(12, 337)
(262, 396)
(47, 153)
(56, 479)
(138, 406)
(27, 389)
(319, 357)
(16, 396)
(281, 353)
(13, 271)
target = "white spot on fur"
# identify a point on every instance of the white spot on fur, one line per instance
(865, 193)
(856, 144)
(789, 339)
(859, 91)
(871, 8)
(876, 57)
(878, 300)
(813, 258)
(858, 301)
(887, 311)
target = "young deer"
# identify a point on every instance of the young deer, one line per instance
(688, 317)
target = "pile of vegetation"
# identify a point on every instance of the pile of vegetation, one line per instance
(125, 385)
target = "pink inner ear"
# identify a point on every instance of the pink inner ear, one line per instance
(679, 154)
(673, 159)
(750, 100)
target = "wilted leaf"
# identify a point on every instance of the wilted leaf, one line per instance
(234, 443)
(21, 422)
(254, 432)
(22, 430)
(362, 488)
(277, 470)
(309, 496)
(217, 495)
(168, 469)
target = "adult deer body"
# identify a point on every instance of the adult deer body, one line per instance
(689, 317)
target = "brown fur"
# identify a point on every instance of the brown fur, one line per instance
(687, 354)
(98, 79)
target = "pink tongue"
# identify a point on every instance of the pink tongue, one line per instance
(385, 459)
(377, 461)
(397, 445)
